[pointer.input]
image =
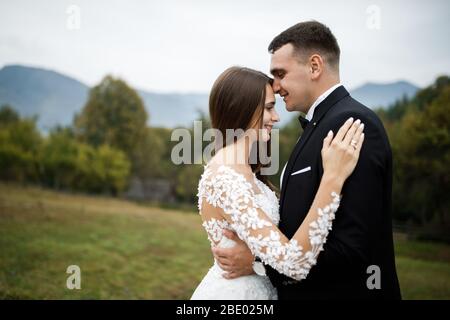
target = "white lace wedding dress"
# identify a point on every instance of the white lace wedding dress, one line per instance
(232, 198)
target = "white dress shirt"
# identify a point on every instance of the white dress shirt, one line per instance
(322, 97)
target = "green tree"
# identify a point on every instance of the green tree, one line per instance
(20, 144)
(187, 182)
(101, 170)
(114, 115)
(148, 156)
(59, 160)
(8, 115)
(424, 153)
(421, 149)
(70, 164)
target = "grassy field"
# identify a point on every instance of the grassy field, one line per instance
(131, 251)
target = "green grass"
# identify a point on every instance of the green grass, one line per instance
(131, 251)
(125, 251)
(423, 269)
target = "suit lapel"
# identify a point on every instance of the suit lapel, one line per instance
(319, 113)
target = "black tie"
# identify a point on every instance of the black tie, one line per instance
(303, 122)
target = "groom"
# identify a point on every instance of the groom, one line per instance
(358, 259)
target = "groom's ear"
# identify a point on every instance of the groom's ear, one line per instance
(316, 65)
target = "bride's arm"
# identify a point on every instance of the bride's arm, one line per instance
(233, 197)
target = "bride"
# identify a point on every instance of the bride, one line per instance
(233, 195)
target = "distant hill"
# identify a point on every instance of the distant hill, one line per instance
(376, 95)
(174, 109)
(55, 98)
(52, 96)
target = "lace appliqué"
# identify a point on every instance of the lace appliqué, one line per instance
(214, 228)
(229, 190)
(288, 258)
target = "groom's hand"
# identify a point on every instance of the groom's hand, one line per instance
(237, 261)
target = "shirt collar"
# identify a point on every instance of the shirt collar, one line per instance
(322, 97)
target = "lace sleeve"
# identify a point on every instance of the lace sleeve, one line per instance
(234, 195)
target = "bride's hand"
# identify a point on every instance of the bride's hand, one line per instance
(340, 155)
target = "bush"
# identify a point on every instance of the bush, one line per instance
(20, 143)
(70, 164)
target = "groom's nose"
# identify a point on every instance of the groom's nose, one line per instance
(276, 86)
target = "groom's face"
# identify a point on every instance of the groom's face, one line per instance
(291, 78)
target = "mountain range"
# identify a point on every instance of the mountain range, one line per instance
(55, 98)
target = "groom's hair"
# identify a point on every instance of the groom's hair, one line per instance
(308, 38)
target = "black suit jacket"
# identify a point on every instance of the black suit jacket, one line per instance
(362, 231)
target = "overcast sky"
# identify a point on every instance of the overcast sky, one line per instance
(183, 46)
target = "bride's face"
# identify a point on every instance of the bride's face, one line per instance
(270, 116)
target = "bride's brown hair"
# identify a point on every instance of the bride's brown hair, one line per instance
(236, 102)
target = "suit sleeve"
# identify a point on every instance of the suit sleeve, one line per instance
(349, 244)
